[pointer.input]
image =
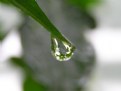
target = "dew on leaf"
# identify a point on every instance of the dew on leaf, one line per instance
(61, 50)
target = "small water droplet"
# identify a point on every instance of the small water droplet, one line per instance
(61, 50)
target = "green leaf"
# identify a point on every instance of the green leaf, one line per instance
(21, 63)
(2, 33)
(32, 85)
(31, 8)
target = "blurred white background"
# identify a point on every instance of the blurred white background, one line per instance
(105, 39)
(10, 77)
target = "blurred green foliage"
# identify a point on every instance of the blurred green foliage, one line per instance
(83, 4)
(21, 63)
(5, 1)
(2, 33)
(30, 83)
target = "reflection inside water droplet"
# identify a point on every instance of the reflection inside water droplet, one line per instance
(61, 50)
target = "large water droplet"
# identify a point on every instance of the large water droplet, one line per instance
(61, 50)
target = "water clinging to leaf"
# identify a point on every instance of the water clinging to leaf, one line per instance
(61, 50)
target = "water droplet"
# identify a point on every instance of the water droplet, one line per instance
(61, 50)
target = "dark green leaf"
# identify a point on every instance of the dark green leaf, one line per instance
(2, 33)
(21, 63)
(32, 85)
(31, 8)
